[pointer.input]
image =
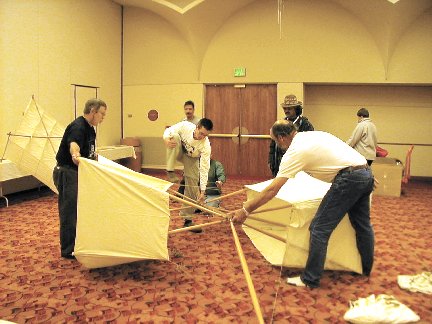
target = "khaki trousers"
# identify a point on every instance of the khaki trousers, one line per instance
(190, 173)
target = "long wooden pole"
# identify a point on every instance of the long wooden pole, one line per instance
(181, 195)
(282, 239)
(266, 221)
(228, 195)
(43, 124)
(270, 209)
(192, 204)
(277, 237)
(180, 208)
(184, 229)
(247, 275)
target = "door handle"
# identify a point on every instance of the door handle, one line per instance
(255, 136)
(224, 135)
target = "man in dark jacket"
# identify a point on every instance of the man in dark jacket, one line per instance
(293, 111)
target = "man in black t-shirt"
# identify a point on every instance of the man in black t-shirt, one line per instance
(79, 139)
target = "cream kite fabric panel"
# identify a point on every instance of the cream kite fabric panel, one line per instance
(123, 216)
(34, 144)
(303, 195)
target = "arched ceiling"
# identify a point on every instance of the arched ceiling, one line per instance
(199, 20)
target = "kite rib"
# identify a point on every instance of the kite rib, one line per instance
(184, 229)
(277, 237)
(7, 142)
(270, 209)
(228, 195)
(267, 221)
(43, 124)
(282, 239)
(193, 204)
(32, 136)
(179, 208)
(247, 275)
(181, 195)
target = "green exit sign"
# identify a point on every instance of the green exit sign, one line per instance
(240, 72)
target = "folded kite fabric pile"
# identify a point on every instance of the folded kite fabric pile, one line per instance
(382, 309)
(418, 283)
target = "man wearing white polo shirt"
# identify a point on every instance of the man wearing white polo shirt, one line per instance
(329, 159)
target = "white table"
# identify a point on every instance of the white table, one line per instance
(9, 171)
(116, 152)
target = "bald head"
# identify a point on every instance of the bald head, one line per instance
(282, 127)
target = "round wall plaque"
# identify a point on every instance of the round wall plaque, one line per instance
(153, 115)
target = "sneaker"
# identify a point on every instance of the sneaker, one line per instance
(189, 223)
(172, 177)
(296, 281)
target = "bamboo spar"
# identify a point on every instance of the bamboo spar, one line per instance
(247, 275)
(192, 204)
(267, 221)
(277, 237)
(214, 199)
(180, 208)
(238, 247)
(284, 240)
(228, 195)
(184, 229)
(180, 194)
(259, 211)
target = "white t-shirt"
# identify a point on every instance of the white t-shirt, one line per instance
(192, 147)
(320, 154)
(194, 120)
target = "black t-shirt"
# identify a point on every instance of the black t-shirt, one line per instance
(82, 133)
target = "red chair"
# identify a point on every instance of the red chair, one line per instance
(407, 169)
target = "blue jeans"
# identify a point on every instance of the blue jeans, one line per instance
(349, 193)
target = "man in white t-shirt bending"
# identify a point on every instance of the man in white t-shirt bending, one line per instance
(329, 159)
(189, 144)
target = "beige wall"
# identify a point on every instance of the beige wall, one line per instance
(160, 72)
(402, 115)
(46, 45)
(168, 100)
(311, 49)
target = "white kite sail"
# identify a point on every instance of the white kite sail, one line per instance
(282, 235)
(34, 144)
(123, 216)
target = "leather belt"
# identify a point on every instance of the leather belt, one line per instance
(353, 168)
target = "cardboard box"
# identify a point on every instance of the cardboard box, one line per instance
(388, 172)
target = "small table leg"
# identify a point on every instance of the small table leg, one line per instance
(1, 195)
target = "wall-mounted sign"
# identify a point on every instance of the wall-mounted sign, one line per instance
(153, 115)
(240, 72)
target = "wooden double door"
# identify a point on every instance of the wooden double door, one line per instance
(242, 116)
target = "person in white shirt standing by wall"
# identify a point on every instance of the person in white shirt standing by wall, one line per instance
(364, 136)
(189, 110)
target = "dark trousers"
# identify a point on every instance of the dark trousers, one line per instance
(349, 193)
(66, 182)
(181, 189)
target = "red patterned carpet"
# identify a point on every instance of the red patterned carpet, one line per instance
(203, 282)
